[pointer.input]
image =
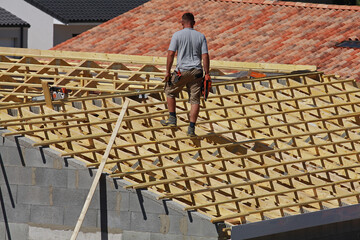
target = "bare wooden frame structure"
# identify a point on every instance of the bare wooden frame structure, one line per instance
(267, 147)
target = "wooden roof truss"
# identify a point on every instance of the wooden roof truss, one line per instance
(266, 148)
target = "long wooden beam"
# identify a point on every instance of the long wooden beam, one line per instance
(145, 59)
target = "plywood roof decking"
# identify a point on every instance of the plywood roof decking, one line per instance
(267, 147)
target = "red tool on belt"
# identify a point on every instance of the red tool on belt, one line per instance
(58, 93)
(206, 86)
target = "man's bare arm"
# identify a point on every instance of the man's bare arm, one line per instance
(206, 62)
(169, 63)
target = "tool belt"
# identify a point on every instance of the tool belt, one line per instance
(205, 87)
(175, 78)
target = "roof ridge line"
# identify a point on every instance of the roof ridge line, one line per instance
(297, 4)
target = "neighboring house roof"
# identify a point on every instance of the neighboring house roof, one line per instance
(7, 19)
(248, 30)
(71, 11)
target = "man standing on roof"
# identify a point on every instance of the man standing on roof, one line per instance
(191, 48)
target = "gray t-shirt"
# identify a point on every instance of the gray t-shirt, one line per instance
(190, 44)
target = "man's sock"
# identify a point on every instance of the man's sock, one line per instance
(192, 124)
(173, 114)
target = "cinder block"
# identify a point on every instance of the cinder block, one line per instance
(33, 195)
(51, 153)
(19, 231)
(34, 158)
(6, 142)
(201, 227)
(175, 224)
(114, 236)
(131, 235)
(119, 184)
(72, 213)
(150, 224)
(86, 177)
(160, 236)
(18, 214)
(10, 156)
(47, 215)
(53, 177)
(69, 163)
(118, 201)
(113, 185)
(79, 179)
(24, 142)
(115, 201)
(8, 193)
(3, 232)
(72, 179)
(69, 197)
(173, 208)
(37, 233)
(73, 163)
(169, 207)
(19, 175)
(13, 231)
(150, 205)
(116, 220)
(40, 233)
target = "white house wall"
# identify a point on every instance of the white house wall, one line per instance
(40, 34)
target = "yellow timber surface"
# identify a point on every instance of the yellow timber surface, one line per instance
(266, 147)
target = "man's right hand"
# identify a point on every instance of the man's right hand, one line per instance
(167, 77)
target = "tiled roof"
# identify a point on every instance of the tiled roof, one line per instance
(248, 30)
(8, 19)
(69, 11)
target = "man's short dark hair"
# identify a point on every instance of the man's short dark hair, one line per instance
(188, 17)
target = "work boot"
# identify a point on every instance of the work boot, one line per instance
(191, 132)
(171, 122)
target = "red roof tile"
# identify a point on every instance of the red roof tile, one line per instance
(248, 30)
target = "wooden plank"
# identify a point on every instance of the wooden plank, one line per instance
(145, 59)
(47, 95)
(99, 172)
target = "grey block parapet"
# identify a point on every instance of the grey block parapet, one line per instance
(42, 195)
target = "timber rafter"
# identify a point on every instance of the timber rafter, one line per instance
(267, 147)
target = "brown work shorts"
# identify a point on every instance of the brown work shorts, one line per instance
(192, 79)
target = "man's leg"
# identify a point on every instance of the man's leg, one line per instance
(194, 112)
(194, 88)
(171, 102)
(171, 122)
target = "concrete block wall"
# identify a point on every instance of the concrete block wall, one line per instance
(42, 194)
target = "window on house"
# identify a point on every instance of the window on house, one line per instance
(349, 43)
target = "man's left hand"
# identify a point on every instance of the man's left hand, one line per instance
(207, 77)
